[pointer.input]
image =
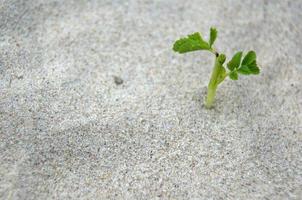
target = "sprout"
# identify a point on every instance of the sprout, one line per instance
(237, 65)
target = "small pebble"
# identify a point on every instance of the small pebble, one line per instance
(118, 80)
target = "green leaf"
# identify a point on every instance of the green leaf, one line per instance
(193, 42)
(213, 36)
(249, 64)
(235, 61)
(249, 58)
(234, 75)
(245, 70)
(222, 74)
(254, 69)
(221, 58)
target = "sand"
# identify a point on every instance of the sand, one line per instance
(94, 104)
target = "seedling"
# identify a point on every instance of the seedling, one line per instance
(237, 65)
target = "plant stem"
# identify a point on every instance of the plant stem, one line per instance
(213, 85)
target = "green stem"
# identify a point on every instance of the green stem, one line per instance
(213, 85)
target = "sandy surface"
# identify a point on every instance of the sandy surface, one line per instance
(95, 105)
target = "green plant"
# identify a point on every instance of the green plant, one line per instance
(237, 65)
